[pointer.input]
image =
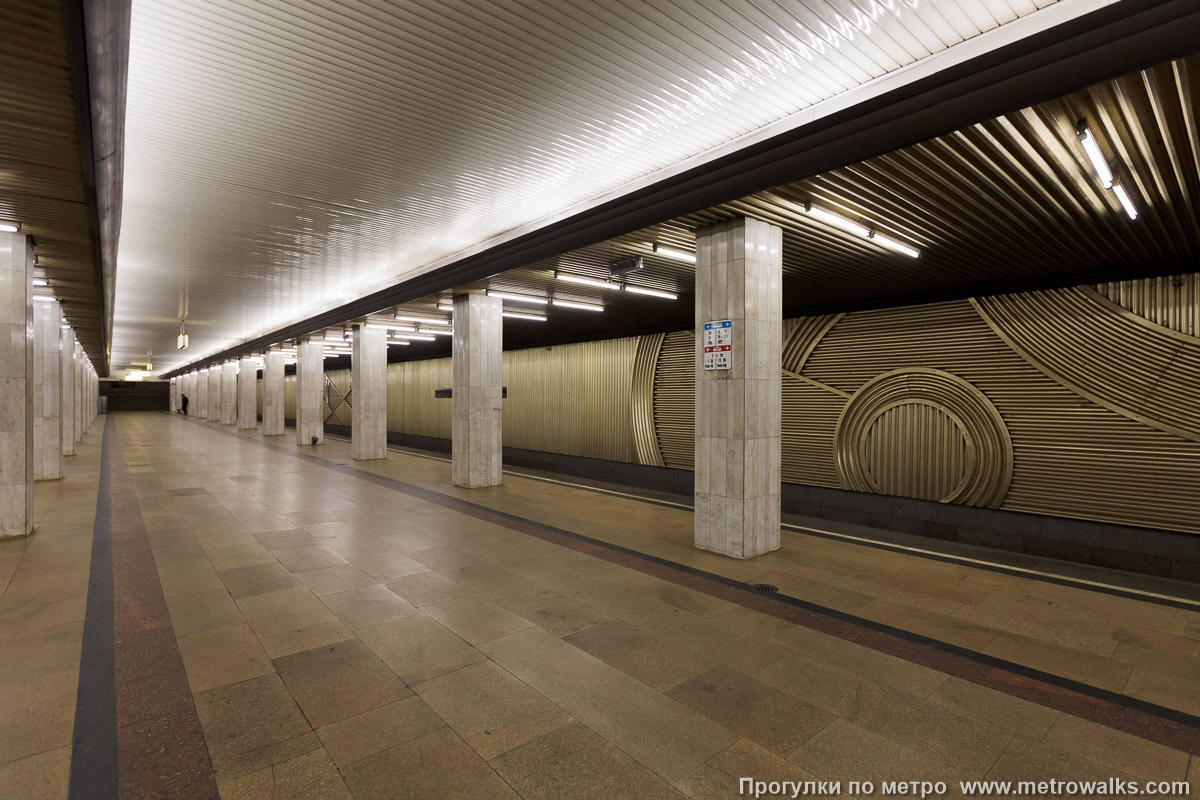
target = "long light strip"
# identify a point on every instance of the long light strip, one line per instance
(892, 244)
(1099, 162)
(437, 332)
(671, 252)
(379, 326)
(584, 281)
(413, 337)
(9, 227)
(392, 342)
(445, 307)
(580, 306)
(40, 282)
(425, 320)
(1126, 201)
(836, 220)
(519, 298)
(43, 298)
(522, 315)
(650, 292)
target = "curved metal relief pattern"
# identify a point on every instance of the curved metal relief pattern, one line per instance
(641, 400)
(1105, 353)
(925, 433)
(1172, 301)
(675, 400)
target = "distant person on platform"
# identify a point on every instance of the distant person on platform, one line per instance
(183, 404)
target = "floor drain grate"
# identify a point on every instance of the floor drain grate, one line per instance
(764, 588)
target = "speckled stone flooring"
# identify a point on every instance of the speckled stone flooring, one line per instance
(289, 623)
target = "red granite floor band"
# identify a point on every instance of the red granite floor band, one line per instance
(1130, 715)
(160, 745)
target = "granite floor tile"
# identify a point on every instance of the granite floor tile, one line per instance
(426, 588)
(284, 610)
(330, 580)
(475, 619)
(417, 648)
(354, 738)
(257, 579)
(640, 654)
(370, 605)
(311, 776)
(339, 680)
(553, 611)
(438, 764)
(223, 655)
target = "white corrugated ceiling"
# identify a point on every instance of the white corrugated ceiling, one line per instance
(284, 156)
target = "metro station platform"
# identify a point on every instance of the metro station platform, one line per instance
(204, 610)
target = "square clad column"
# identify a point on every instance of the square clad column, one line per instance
(200, 401)
(229, 374)
(174, 396)
(47, 390)
(247, 386)
(66, 398)
(80, 392)
(273, 394)
(215, 377)
(739, 306)
(310, 393)
(16, 385)
(368, 382)
(478, 380)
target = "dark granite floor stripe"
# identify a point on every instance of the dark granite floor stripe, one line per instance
(94, 739)
(160, 744)
(1150, 721)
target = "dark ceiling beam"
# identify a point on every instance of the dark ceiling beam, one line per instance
(97, 38)
(1113, 41)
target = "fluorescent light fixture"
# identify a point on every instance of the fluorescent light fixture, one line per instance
(43, 298)
(445, 307)
(392, 342)
(519, 298)
(671, 252)
(424, 320)
(1126, 201)
(651, 292)
(437, 332)
(833, 219)
(893, 245)
(392, 327)
(1092, 148)
(599, 284)
(181, 341)
(66, 327)
(9, 227)
(414, 337)
(580, 306)
(522, 315)
(40, 282)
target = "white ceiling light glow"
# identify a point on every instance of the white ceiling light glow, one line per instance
(578, 306)
(1126, 202)
(678, 255)
(523, 315)
(651, 292)
(836, 220)
(584, 281)
(519, 298)
(9, 227)
(43, 298)
(40, 282)
(893, 245)
(424, 320)
(1099, 162)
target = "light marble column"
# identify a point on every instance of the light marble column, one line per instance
(247, 407)
(739, 268)
(175, 395)
(368, 382)
(214, 393)
(16, 385)
(80, 390)
(66, 413)
(200, 401)
(47, 386)
(273, 394)
(310, 393)
(478, 422)
(229, 373)
(186, 390)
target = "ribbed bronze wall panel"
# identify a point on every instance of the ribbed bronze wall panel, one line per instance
(412, 408)
(572, 399)
(1072, 457)
(1172, 301)
(809, 423)
(641, 400)
(675, 400)
(916, 450)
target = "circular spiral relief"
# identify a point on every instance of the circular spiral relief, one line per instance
(924, 433)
